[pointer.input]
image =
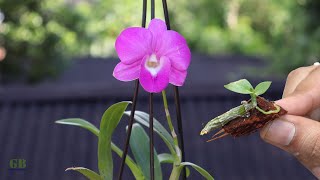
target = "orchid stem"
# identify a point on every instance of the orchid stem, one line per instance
(255, 104)
(166, 109)
(175, 174)
(176, 94)
(176, 170)
(180, 129)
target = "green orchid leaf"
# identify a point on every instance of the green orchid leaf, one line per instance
(140, 147)
(187, 172)
(109, 122)
(202, 171)
(241, 86)
(87, 125)
(86, 172)
(262, 87)
(136, 171)
(143, 118)
(166, 158)
(81, 123)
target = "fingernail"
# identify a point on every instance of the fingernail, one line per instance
(316, 172)
(279, 132)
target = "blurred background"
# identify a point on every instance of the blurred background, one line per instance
(57, 58)
(38, 38)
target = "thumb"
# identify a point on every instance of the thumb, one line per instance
(297, 135)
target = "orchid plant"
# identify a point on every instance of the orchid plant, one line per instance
(139, 144)
(156, 57)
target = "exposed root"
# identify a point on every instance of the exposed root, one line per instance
(222, 134)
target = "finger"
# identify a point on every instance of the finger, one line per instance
(297, 135)
(315, 114)
(306, 96)
(311, 81)
(295, 77)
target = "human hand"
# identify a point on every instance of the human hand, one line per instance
(298, 132)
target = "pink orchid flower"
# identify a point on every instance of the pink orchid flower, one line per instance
(154, 55)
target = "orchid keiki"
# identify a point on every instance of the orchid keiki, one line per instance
(154, 55)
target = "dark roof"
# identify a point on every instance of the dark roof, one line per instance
(27, 128)
(92, 77)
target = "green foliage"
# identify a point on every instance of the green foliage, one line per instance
(174, 157)
(140, 147)
(81, 123)
(87, 125)
(139, 144)
(41, 36)
(143, 118)
(166, 158)
(243, 86)
(202, 171)
(285, 32)
(109, 122)
(86, 172)
(262, 87)
(37, 41)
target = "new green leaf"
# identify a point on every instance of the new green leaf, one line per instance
(241, 86)
(262, 87)
(139, 144)
(86, 172)
(109, 122)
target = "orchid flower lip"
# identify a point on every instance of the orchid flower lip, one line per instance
(153, 64)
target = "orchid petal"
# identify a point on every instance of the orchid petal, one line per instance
(133, 44)
(177, 77)
(155, 83)
(175, 47)
(124, 72)
(157, 28)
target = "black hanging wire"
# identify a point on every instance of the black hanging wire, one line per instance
(134, 103)
(180, 129)
(151, 115)
(166, 13)
(131, 120)
(151, 135)
(135, 96)
(176, 97)
(152, 9)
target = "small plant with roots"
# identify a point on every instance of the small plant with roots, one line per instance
(247, 117)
